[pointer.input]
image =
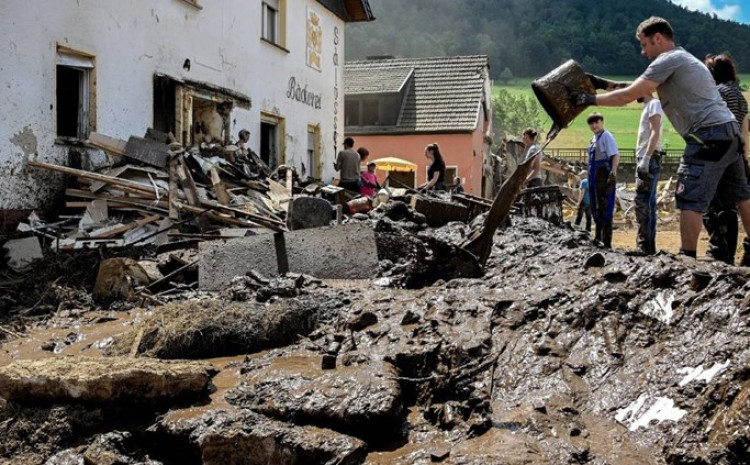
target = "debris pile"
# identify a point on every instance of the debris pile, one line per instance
(157, 186)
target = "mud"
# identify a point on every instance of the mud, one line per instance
(555, 352)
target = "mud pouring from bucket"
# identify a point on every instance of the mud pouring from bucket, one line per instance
(553, 92)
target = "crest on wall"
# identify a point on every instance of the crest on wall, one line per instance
(314, 39)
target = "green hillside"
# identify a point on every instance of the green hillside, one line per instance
(531, 37)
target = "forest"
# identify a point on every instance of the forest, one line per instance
(527, 38)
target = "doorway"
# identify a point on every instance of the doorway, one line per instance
(269, 143)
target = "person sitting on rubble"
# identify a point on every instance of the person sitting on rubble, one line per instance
(584, 202)
(369, 181)
(347, 163)
(436, 171)
(459, 187)
(534, 179)
(242, 143)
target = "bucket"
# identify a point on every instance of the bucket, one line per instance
(359, 205)
(553, 92)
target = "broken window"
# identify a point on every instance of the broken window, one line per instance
(269, 143)
(74, 96)
(271, 25)
(312, 164)
(372, 111)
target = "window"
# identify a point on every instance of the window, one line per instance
(273, 16)
(372, 111)
(74, 95)
(272, 147)
(312, 163)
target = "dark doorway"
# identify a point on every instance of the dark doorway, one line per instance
(269, 144)
(164, 104)
(68, 100)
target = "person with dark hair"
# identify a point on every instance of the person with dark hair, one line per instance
(584, 201)
(363, 154)
(720, 219)
(244, 137)
(534, 179)
(436, 171)
(648, 155)
(711, 163)
(347, 162)
(604, 159)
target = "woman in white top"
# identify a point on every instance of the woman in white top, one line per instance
(534, 179)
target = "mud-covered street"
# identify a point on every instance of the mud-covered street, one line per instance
(559, 353)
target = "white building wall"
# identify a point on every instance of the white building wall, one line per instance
(131, 41)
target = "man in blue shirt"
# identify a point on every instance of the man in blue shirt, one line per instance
(604, 158)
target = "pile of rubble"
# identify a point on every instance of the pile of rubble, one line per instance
(558, 353)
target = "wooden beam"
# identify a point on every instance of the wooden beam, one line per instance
(219, 189)
(106, 143)
(109, 232)
(148, 203)
(98, 177)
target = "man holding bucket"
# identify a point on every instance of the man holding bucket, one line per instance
(712, 162)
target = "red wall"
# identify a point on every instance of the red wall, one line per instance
(461, 150)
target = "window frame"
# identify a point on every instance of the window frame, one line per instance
(85, 64)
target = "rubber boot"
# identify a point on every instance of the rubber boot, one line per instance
(597, 233)
(607, 235)
(745, 261)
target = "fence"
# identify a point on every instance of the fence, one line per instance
(627, 156)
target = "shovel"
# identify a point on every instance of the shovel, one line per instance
(479, 243)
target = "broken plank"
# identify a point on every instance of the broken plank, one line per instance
(141, 202)
(148, 190)
(219, 217)
(276, 225)
(219, 189)
(107, 143)
(147, 151)
(109, 232)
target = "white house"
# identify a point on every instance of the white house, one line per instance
(201, 69)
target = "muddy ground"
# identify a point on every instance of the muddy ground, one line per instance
(559, 353)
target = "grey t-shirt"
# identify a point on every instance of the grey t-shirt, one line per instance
(348, 163)
(687, 91)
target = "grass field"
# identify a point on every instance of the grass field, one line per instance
(622, 122)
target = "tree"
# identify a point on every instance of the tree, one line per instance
(511, 114)
(506, 76)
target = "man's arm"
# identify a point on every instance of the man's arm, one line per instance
(337, 163)
(653, 137)
(743, 134)
(618, 98)
(615, 163)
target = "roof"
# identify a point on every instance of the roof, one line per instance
(350, 11)
(362, 81)
(443, 95)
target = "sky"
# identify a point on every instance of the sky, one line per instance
(736, 10)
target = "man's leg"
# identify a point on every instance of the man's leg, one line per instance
(587, 212)
(579, 216)
(690, 229)
(743, 208)
(642, 214)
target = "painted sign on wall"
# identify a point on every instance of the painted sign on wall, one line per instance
(314, 39)
(295, 91)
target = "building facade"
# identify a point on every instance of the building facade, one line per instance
(201, 69)
(397, 106)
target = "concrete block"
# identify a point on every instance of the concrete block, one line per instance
(337, 252)
(21, 252)
(440, 212)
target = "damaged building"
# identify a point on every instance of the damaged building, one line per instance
(199, 70)
(397, 106)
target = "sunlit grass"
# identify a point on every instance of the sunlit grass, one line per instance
(622, 122)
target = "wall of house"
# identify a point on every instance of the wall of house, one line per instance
(133, 40)
(461, 150)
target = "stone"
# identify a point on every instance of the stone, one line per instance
(20, 253)
(363, 400)
(116, 280)
(317, 252)
(310, 212)
(241, 436)
(103, 380)
(362, 321)
(596, 260)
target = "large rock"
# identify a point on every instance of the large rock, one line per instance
(225, 437)
(363, 400)
(103, 379)
(215, 328)
(339, 252)
(310, 212)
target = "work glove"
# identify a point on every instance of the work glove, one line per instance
(612, 179)
(606, 84)
(582, 99)
(641, 170)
